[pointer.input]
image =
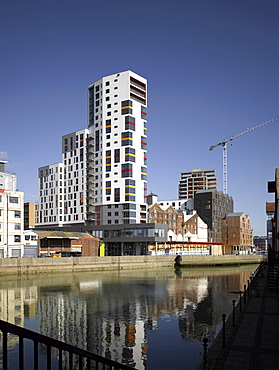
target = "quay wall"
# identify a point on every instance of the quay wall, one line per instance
(43, 265)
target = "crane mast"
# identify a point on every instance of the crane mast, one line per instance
(223, 143)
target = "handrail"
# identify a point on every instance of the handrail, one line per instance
(37, 338)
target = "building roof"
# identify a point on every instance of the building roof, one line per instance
(62, 234)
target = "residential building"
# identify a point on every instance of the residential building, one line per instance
(11, 215)
(169, 216)
(197, 179)
(237, 233)
(30, 243)
(270, 213)
(195, 229)
(273, 187)
(212, 206)
(260, 243)
(183, 225)
(63, 186)
(29, 215)
(117, 120)
(102, 178)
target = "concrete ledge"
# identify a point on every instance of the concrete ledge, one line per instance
(42, 265)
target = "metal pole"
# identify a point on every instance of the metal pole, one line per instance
(205, 341)
(233, 303)
(224, 321)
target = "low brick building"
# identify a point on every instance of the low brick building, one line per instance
(72, 243)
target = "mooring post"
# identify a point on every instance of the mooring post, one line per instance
(248, 282)
(245, 293)
(240, 301)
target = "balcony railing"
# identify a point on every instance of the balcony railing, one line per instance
(84, 358)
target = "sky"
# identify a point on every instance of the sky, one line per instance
(212, 68)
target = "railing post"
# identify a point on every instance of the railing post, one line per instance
(244, 293)
(21, 354)
(48, 356)
(5, 350)
(205, 341)
(248, 289)
(240, 301)
(36, 355)
(224, 332)
(233, 303)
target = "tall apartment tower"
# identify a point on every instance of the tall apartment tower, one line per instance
(117, 121)
(197, 179)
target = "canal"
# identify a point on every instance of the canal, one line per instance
(148, 319)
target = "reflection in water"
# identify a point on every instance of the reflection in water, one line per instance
(146, 319)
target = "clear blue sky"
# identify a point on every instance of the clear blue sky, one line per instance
(212, 69)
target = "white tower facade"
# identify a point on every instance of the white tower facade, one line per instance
(117, 121)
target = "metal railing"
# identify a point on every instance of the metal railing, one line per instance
(85, 359)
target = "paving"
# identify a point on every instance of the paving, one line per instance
(251, 340)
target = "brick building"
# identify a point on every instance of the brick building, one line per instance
(52, 242)
(236, 231)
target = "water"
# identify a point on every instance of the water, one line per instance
(149, 319)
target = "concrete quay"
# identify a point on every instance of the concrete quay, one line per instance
(253, 343)
(75, 264)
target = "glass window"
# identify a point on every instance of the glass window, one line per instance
(13, 200)
(17, 214)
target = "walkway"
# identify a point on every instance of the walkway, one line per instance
(253, 343)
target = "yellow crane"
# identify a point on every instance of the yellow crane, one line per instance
(223, 143)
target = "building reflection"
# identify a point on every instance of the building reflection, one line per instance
(112, 317)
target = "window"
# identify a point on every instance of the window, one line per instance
(127, 107)
(17, 214)
(143, 143)
(107, 91)
(143, 112)
(108, 187)
(130, 123)
(126, 138)
(27, 237)
(117, 194)
(130, 154)
(127, 170)
(17, 238)
(107, 83)
(116, 155)
(17, 226)
(144, 173)
(13, 200)
(130, 190)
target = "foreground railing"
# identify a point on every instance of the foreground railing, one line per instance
(86, 360)
(248, 290)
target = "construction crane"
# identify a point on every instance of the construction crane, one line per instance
(224, 145)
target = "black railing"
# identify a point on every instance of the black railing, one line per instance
(247, 292)
(85, 359)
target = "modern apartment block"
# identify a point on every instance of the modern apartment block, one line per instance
(196, 180)
(212, 206)
(117, 121)
(11, 215)
(63, 186)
